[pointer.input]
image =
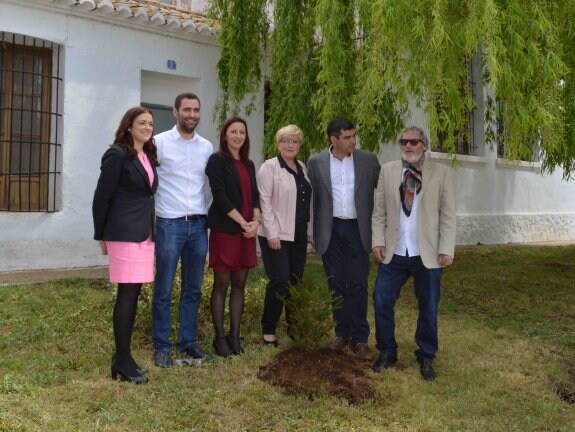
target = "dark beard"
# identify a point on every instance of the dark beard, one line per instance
(186, 129)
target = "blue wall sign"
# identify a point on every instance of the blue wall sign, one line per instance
(172, 64)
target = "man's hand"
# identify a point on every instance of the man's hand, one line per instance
(445, 260)
(379, 253)
(275, 243)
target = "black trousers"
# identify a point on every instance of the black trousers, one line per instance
(346, 265)
(284, 267)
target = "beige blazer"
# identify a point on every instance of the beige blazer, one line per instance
(436, 219)
(278, 196)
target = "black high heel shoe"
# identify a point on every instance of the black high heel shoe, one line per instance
(138, 379)
(222, 347)
(140, 370)
(235, 344)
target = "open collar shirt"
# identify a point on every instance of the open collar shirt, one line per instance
(182, 182)
(302, 208)
(342, 174)
(407, 243)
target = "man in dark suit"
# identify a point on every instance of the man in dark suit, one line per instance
(343, 181)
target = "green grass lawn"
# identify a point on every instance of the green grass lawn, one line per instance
(507, 348)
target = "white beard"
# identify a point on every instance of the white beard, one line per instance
(413, 158)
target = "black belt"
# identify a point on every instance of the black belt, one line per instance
(192, 217)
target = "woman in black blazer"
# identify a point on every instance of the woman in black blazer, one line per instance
(233, 218)
(123, 213)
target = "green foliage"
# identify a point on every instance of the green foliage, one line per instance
(294, 69)
(377, 109)
(365, 59)
(242, 35)
(507, 345)
(254, 293)
(310, 304)
(336, 26)
(527, 76)
(560, 152)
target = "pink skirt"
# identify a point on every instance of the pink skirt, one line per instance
(131, 262)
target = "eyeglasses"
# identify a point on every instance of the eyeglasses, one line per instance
(411, 142)
(286, 141)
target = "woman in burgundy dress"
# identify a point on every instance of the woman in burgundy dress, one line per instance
(123, 212)
(233, 218)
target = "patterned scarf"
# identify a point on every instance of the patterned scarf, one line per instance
(410, 185)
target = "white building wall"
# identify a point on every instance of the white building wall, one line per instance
(103, 67)
(104, 63)
(500, 201)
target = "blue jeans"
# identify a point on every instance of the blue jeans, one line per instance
(346, 265)
(390, 278)
(175, 239)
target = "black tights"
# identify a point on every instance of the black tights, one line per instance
(218, 304)
(124, 316)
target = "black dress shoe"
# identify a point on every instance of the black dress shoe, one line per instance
(163, 359)
(426, 368)
(194, 351)
(362, 351)
(384, 360)
(138, 379)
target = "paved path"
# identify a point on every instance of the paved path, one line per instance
(39, 276)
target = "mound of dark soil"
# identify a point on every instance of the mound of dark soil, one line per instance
(315, 372)
(565, 389)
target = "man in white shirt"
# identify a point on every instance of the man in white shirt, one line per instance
(343, 180)
(413, 235)
(181, 209)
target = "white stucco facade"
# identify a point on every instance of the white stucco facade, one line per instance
(500, 201)
(111, 62)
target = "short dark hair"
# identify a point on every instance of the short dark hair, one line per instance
(182, 96)
(337, 125)
(245, 149)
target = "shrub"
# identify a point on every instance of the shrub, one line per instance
(253, 304)
(310, 304)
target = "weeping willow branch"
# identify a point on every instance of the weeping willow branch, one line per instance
(243, 34)
(295, 67)
(369, 59)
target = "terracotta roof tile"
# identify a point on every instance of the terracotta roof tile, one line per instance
(150, 11)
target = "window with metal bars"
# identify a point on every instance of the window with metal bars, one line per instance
(500, 136)
(30, 124)
(499, 130)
